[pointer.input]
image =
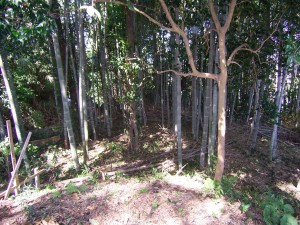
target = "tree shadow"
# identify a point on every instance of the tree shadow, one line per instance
(130, 202)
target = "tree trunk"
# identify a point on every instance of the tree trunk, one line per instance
(103, 76)
(13, 101)
(259, 90)
(194, 97)
(2, 129)
(178, 99)
(82, 90)
(67, 115)
(250, 103)
(279, 97)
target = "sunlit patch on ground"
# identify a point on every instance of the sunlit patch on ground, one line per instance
(290, 188)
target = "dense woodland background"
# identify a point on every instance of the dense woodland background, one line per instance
(89, 71)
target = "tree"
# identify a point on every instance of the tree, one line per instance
(221, 78)
(67, 115)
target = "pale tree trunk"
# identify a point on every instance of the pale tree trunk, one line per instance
(199, 107)
(250, 102)
(168, 101)
(207, 102)
(235, 92)
(162, 95)
(280, 93)
(194, 97)
(199, 121)
(214, 123)
(206, 113)
(214, 116)
(259, 90)
(103, 72)
(214, 112)
(178, 98)
(194, 106)
(65, 104)
(13, 102)
(82, 90)
(174, 87)
(142, 111)
(66, 9)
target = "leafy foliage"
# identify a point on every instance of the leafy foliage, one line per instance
(276, 212)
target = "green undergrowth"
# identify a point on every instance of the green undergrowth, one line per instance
(273, 206)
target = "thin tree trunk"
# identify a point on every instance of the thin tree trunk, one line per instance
(213, 129)
(194, 96)
(82, 90)
(199, 110)
(168, 101)
(250, 102)
(14, 105)
(67, 115)
(208, 102)
(259, 90)
(178, 98)
(162, 95)
(279, 97)
(103, 75)
(2, 129)
(232, 107)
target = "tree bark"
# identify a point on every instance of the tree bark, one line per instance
(13, 101)
(82, 89)
(67, 115)
(279, 97)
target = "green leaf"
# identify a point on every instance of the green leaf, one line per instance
(288, 219)
(288, 209)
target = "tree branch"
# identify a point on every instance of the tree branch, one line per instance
(176, 29)
(244, 47)
(214, 15)
(197, 74)
(232, 5)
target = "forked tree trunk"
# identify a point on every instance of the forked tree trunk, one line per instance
(220, 78)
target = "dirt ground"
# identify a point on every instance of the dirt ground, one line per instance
(157, 197)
